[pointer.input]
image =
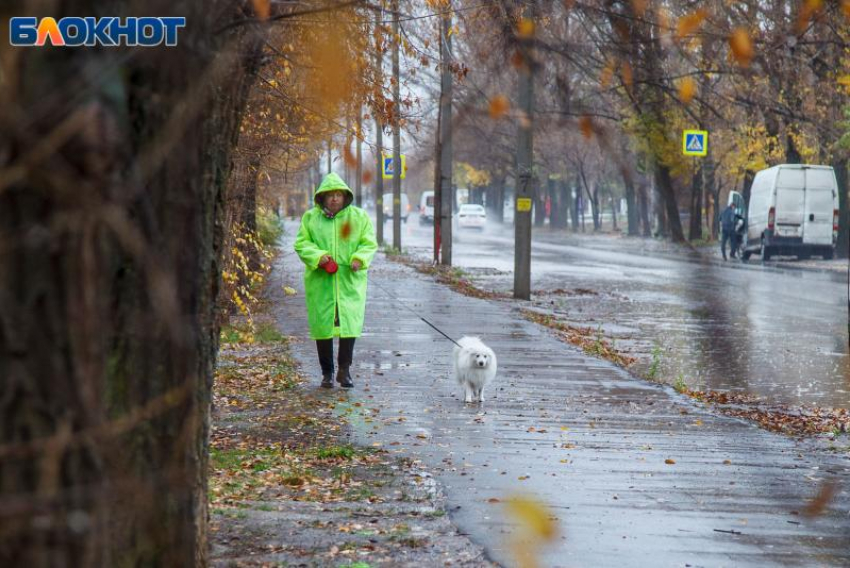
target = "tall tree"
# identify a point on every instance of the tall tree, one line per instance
(112, 171)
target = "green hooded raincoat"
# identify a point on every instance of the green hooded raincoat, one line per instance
(347, 236)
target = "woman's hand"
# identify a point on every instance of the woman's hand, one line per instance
(324, 260)
(355, 265)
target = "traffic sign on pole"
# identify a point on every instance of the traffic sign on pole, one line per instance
(387, 168)
(695, 142)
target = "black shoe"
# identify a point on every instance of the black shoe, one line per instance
(343, 377)
(328, 381)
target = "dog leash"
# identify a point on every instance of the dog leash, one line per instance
(398, 301)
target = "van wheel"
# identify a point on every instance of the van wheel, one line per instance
(804, 256)
(829, 255)
(746, 255)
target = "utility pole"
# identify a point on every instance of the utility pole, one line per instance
(396, 132)
(358, 172)
(379, 136)
(437, 220)
(446, 196)
(525, 163)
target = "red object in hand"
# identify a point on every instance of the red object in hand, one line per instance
(331, 266)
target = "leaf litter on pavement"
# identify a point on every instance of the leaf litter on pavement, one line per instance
(287, 486)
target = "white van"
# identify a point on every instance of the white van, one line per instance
(388, 206)
(793, 211)
(426, 207)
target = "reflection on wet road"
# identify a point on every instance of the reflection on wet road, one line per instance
(779, 333)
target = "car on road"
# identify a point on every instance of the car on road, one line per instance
(426, 207)
(388, 207)
(793, 211)
(471, 216)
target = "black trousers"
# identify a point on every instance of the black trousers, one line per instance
(731, 238)
(325, 347)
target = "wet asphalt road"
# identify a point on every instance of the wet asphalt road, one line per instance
(580, 435)
(775, 331)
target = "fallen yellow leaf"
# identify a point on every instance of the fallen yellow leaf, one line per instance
(742, 46)
(499, 106)
(535, 516)
(687, 89)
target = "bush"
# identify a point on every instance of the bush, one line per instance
(269, 226)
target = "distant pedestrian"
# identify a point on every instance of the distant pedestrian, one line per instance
(336, 242)
(728, 219)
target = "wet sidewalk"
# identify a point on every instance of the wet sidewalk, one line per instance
(636, 474)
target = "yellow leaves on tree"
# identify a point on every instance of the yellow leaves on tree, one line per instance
(468, 175)
(741, 46)
(747, 147)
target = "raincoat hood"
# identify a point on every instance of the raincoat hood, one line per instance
(332, 182)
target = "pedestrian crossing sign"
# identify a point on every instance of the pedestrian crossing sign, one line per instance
(695, 142)
(387, 166)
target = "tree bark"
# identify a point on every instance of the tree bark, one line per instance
(631, 206)
(665, 188)
(109, 248)
(643, 201)
(695, 228)
(843, 244)
(539, 203)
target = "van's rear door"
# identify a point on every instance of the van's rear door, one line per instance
(790, 202)
(820, 198)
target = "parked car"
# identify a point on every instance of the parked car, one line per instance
(388, 206)
(471, 216)
(793, 211)
(426, 207)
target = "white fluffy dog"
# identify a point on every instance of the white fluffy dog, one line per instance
(475, 366)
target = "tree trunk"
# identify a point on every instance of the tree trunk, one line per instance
(841, 247)
(500, 198)
(594, 202)
(613, 210)
(108, 277)
(574, 210)
(668, 196)
(695, 228)
(749, 176)
(554, 203)
(631, 206)
(539, 204)
(565, 204)
(643, 201)
(709, 183)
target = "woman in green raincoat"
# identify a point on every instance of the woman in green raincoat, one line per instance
(336, 242)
